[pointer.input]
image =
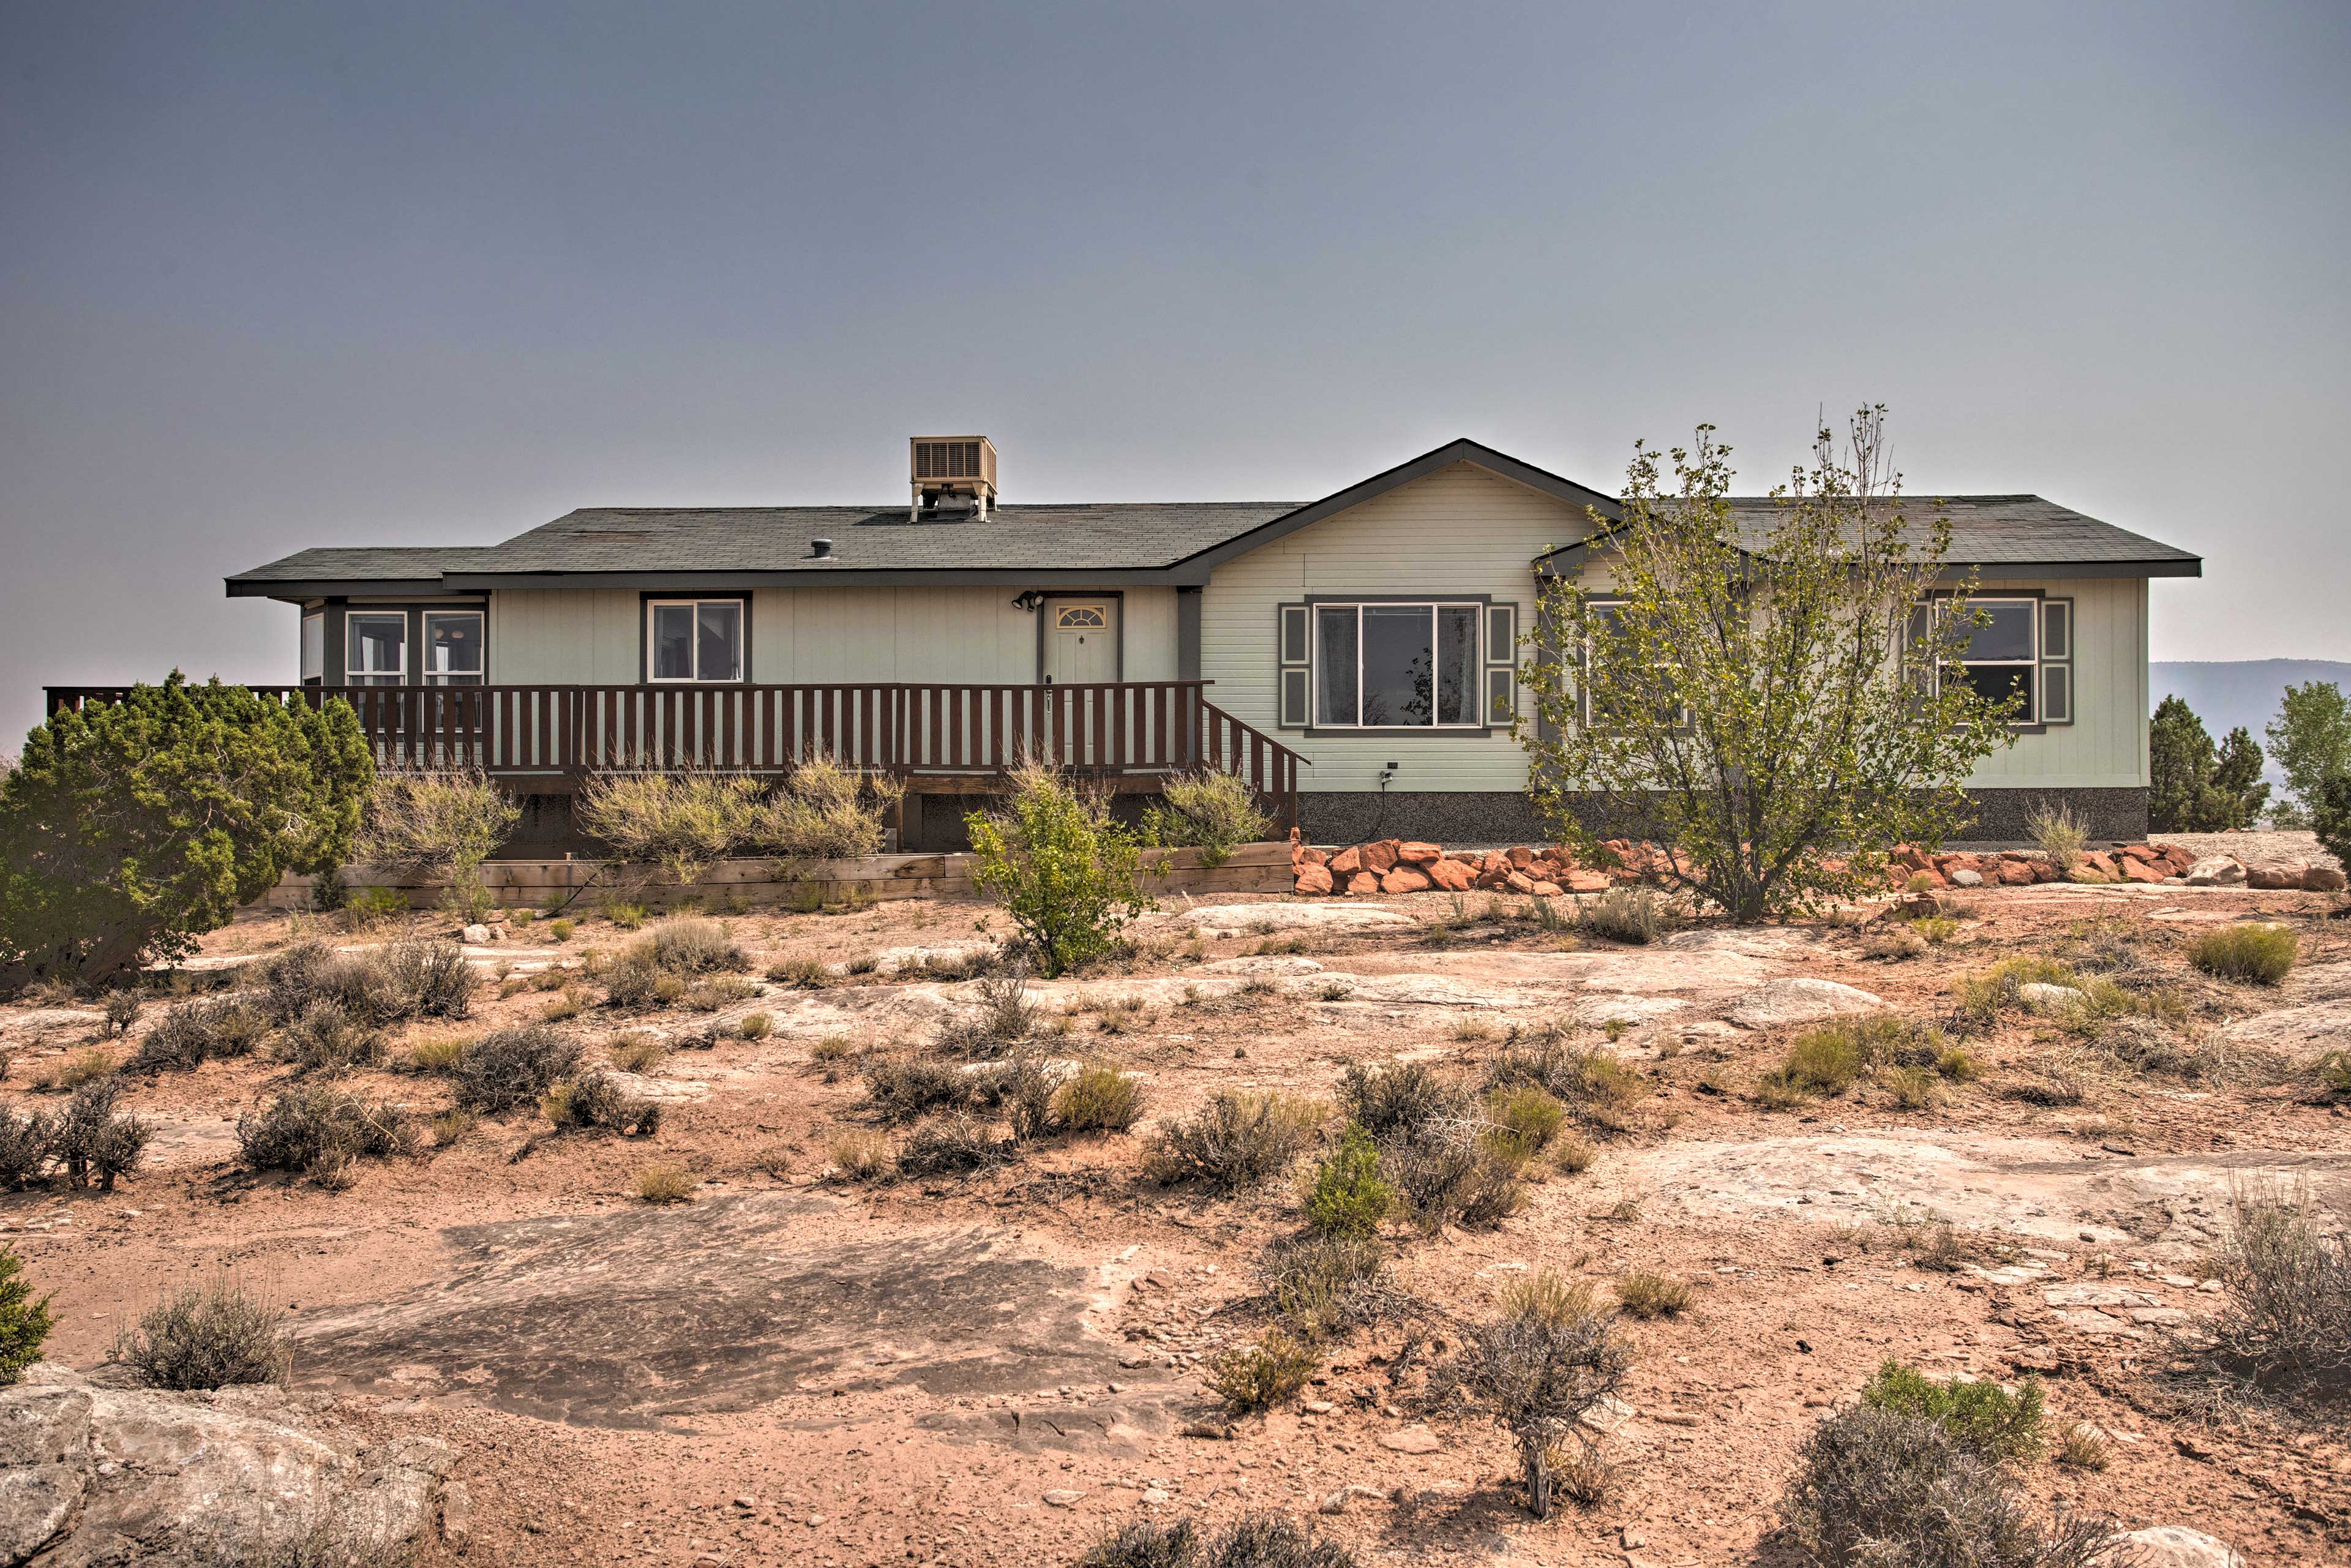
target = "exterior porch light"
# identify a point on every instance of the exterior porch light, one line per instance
(1029, 600)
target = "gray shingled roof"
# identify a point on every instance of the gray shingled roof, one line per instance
(665, 543)
(869, 538)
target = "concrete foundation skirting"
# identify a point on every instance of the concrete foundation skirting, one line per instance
(762, 884)
(1478, 818)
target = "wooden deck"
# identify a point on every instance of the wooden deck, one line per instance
(937, 739)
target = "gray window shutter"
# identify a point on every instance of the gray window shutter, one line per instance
(1293, 673)
(1501, 663)
(2056, 661)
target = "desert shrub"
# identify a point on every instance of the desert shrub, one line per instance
(1525, 1121)
(1646, 1295)
(755, 1026)
(93, 1141)
(1446, 1176)
(1958, 1064)
(634, 983)
(23, 1321)
(510, 1069)
(82, 1067)
(25, 1143)
(436, 1055)
(1097, 1099)
(681, 821)
(1822, 1062)
(194, 1032)
(1573, 1154)
(1633, 915)
(439, 827)
(2082, 1449)
(666, 1184)
(429, 980)
(561, 930)
(1236, 1141)
(637, 1050)
(1256, 1376)
(1982, 995)
(403, 979)
(2286, 1276)
(1326, 1283)
(1981, 1418)
(2058, 831)
(1396, 1103)
(861, 1156)
(2262, 954)
(1213, 811)
(1022, 1086)
(1878, 1487)
(129, 830)
(952, 1144)
(329, 1038)
(1347, 1197)
(321, 1129)
(1545, 1298)
(1253, 1541)
(208, 1336)
(1592, 1082)
(121, 1012)
(1537, 1379)
(1912, 1088)
(808, 974)
(1053, 859)
(711, 993)
(691, 946)
(449, 1126)
(591, 1099)
(901, 1088)
(366, 908)
(824, 811)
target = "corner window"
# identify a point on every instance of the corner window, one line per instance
(314, 648)
(1397, 666)
(452, 647)
(375, 647)
(1999, 657)
(694, 639)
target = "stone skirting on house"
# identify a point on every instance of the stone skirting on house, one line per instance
(1474, 817)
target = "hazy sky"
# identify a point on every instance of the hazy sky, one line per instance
(337, 273)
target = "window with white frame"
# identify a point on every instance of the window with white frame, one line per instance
(1390, 666)
(452, 647)
(314, 648)
(694, 639)
(1998, 657)
(375, 647)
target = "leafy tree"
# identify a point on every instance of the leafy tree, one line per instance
(126, 831)
(2310, 740)
(1068, 875)
(2332, 818)
(23, 1321)
(1767, 705)
(2193, 786)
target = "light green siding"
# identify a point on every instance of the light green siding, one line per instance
(809, 634)
(2105, 745)
(1459, 531)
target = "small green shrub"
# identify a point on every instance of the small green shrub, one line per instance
(591, 1099)
(23, 1321)
(1987, 1422)
(1347, 1197)
(1525, 1121)
(439, 1054)
(1262, 1375)
(510, 1069)
(561, 930)
(1068, 877)
(690, 945)
(901, 1089)
(367, 908)
(808, 974)
(1648, 1295)
(1323, 1284)
(1213, 811)
(711, 993)
(1544, 1297)
(755, 1026)
(82, 1067)
(2262, 953)
(1573, 1154)
(208, 1336)
(1098, 1100)
(2059, 832)
(1632, 914)
(666, 1184)
(637, 1050)
(1912, 1088)
(1237, 1141)
(1590, 1083)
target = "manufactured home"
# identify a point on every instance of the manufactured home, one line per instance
(1354, 657)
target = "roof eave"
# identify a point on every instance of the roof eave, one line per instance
(1180, 575)
(297, 589)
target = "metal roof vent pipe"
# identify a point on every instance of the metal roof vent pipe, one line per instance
(820, 550)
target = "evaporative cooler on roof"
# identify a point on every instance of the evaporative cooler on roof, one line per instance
(952, 473)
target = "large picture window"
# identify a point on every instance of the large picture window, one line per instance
(694, 639)
(1397, 665)
(375, 647)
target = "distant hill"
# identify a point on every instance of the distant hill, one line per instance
(2226, 694)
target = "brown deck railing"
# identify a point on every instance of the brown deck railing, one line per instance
(1128, 730)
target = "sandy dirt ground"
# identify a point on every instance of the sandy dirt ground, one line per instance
(994, 1369)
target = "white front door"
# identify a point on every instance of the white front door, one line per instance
(1081, 641)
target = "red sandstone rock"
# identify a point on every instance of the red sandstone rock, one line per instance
(1545, 889)
(1451, 875)
(1412, 852)
(1587, 882)
(1520, 856)
(1313, 879)
(2322, 879)
(2015, 873)
(1404, 879)
(1363, 881)
(1380, 857)
(2137, 870)
(1519, 882)
(1314, 857)
(1346, 862)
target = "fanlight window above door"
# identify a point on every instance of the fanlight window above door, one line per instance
(1077, 618)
